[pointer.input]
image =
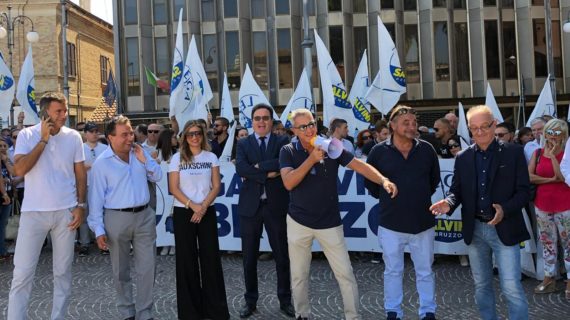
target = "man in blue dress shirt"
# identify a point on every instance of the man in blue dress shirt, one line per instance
(120, 215)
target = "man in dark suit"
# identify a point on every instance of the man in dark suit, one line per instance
(263, 200)
(491, 183)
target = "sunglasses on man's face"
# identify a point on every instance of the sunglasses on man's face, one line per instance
(555, 133)
(153, 131)
(366, 137)
(500, 135)
(259, 118)
(309, 125)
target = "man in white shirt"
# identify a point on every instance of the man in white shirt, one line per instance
(120, 215)
(339, 130)
(50, 157)
(92, 149)
(536, 125)
(152, 138)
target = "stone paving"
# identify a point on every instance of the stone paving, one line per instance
(94, 297)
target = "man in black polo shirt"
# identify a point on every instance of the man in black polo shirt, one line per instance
(406, 220)
(311, 178)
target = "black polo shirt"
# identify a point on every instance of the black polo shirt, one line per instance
(314, 201)
(416, 177)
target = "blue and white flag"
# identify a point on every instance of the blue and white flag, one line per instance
(492, 104)
(250, 94)
(26, 92)
(176, 88)
(462, 129)
(390, 82)
(301, 98)
(544, 104)
(227, 111)
(335, 98)
(7, 86)
(110, 93)
(360, 107)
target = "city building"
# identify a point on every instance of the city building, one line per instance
(89, 44)
(449, 49)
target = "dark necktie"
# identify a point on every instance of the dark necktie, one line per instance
(262, 146)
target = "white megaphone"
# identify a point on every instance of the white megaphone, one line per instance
(333, 147)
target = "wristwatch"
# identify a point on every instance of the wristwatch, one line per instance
(82, 205)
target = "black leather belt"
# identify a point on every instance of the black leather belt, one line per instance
(483, 219)
(133, 209)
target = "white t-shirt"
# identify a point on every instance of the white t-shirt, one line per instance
(50, 184)
(196, 177)
(91, 155)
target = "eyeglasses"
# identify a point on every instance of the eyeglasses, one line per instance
(501, 134)
(552, 132)
(401, 111)
(483, 128)
(366, 137)
(153, 131)
(455, 145)
(303, 127)
(193, 134)
(259, 118)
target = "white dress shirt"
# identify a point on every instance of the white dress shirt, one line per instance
(116, 184)
(565, 163)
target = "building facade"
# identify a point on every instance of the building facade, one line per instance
(449, 49)
(90, 53)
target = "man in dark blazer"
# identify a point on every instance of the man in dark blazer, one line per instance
(263, 200)
(491, 183)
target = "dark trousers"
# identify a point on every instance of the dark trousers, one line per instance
(251, 229)
(200, 287)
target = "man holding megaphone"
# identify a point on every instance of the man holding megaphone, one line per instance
(309, 169)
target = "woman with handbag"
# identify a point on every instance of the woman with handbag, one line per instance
(5, 188)
(551, 202)
(194, 180)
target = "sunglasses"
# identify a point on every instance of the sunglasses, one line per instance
(555, 133)
(259, 118)
(402, 111)
(500, 135)
(303, 127)
(193, 134)
(366, 137)
(455, 145)
(482, 128)
(153, 131)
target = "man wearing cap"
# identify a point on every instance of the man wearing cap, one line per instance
(120, 215)
(92, 149)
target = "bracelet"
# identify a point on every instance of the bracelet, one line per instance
(44, 141)
(187, 205)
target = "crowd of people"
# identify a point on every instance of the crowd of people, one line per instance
(102, 189)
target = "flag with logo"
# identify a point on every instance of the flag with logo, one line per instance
(492, 104)
(544, 104)
(390, 81)
(110, 93)
(7, 85)
(250, 94)
(227, 111)
(335, 98)
(360, 107)
(301, 98)
(462, 129)
(176, 88)
(26, 90)
(202, 90)
(155, 81)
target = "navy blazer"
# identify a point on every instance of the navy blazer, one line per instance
(247, 156)
(510, 187)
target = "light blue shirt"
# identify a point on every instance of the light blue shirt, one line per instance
(116, 184)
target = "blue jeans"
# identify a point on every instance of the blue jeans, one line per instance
(4, 213)
(485, 243)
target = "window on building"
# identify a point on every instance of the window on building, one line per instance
(335, 5)
(360, 44)
(162, 62)
(391, 30)
(462, 52)
(104, 66)
(459, 4)
(133, 73)
(284, 58)
(411, 54)
(71, 60)
(336, 48)
(159, 11)
(180, 4)
(210, 50)
(230, 8)
(208, 10)
(439, 3)
(441, 48)
(492, 49)
(553, 3)
(540, 53)
(131, 16)
(359, 6)
(507, 3)
(233, 60)
(282, 7)
(410, 5)
(510, 49)
(490, 3)
(557, 48)
(387, 4)
(260, 59)
(258, 8)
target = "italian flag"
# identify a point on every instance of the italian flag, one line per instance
(155, 81)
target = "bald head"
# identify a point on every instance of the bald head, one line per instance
(453, 120)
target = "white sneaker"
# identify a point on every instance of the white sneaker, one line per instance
(464, 261)
(172, 251)
(164, 251)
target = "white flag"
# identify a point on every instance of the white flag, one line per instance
(250, 94)
(301, 98)
(7, 86)
(335, 97)
(176, 88)
(26, 92)
(390, 82)
(492, 104)
(544, 104)
(360, 107)
(226, 106)
(227, 152)
(462, 129)
(202, 90)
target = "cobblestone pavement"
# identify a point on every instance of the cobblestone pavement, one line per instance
(94, 296)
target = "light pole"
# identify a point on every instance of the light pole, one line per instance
(549, 53)
(307, 44)
(7, 20)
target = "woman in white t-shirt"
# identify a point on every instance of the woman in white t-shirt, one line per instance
(194, 180)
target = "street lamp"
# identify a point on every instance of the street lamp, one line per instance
(7, 20)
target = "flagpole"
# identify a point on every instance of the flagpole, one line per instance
(64, 56)
(307, 44)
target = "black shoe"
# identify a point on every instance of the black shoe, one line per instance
(104, 252)
(83, 251)
(246, 311)
(392, 316)
(130, 318)
(302, 318)
(288, 310)
(429, 316)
